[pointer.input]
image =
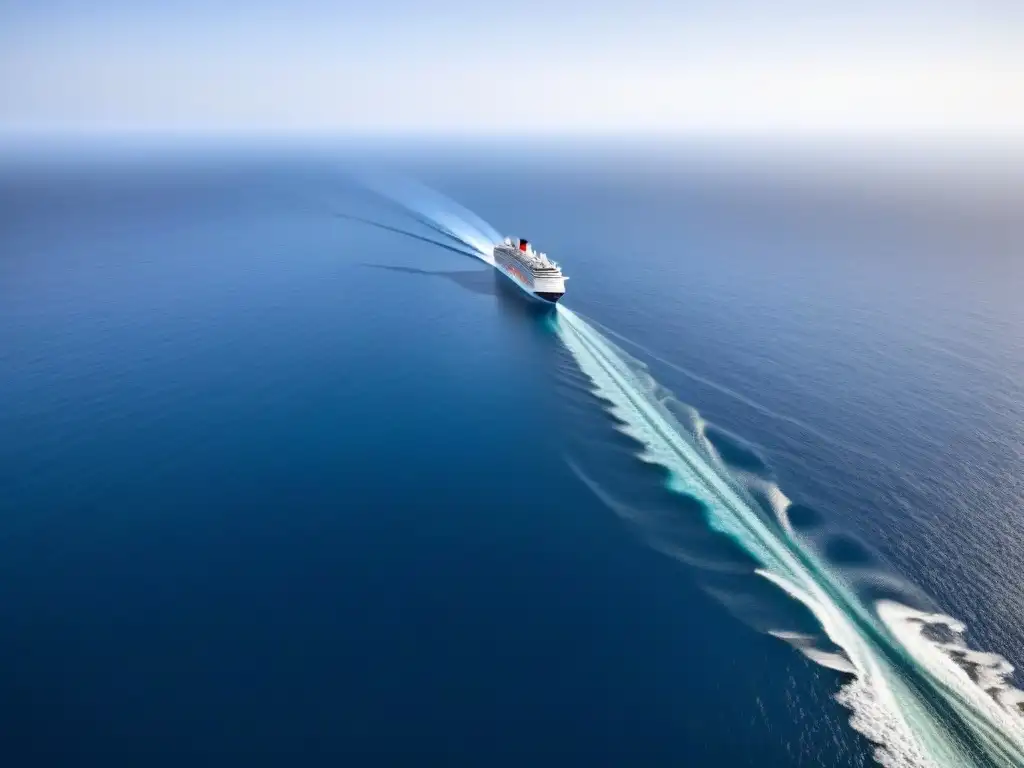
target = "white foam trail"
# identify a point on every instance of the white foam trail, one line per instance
(890, 707)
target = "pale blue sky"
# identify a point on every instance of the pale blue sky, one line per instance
(789, 68)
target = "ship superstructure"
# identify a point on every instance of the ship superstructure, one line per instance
(532, 271)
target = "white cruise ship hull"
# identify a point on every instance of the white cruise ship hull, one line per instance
(540, 288)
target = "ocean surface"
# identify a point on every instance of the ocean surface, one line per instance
(289, 475)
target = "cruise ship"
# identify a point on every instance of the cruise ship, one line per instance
(534, 272)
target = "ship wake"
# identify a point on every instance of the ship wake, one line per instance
(908, 693)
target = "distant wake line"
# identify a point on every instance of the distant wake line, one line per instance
(907, 693)
(406, 233)
(737, 396)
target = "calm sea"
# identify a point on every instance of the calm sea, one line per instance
(282, 487)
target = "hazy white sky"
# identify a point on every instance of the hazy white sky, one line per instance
(789, 68)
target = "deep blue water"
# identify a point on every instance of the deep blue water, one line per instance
(281, 487)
